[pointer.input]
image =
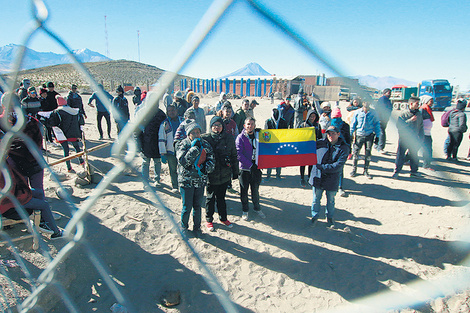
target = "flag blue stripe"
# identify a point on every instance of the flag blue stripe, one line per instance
(287, 148)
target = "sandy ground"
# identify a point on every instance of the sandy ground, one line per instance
(389, 233)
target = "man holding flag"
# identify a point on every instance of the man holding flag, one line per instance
(332, 153)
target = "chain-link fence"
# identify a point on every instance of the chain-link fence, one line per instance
(43, 283)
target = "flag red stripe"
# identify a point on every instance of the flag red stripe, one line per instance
(271, 161)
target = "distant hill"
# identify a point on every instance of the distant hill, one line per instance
(251, 69)
(383, 82)
(109, 73)
(35, 59)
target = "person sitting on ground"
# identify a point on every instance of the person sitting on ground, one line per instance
(67, 123)
(226, 169)
(332, 154)
(276, 121)
(166, 143)
(311, 121)
(74, 100)
(30, 200)
(101, 111)
(195, 161)
(410, 136)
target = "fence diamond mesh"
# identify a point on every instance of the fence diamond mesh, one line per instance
(43, 283)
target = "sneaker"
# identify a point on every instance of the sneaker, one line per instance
(231, 190)
(101, 138)
(395, 175)
(415, 175)
(174, 190)
(353, 173)
(341, 192)
(367, 175)
(71, 170)
(156, 184)
(44, 228)
(314, 221)
(210, 226)
(428, 168)
(303, 183)
(261, 214)
(227, 223)
(245, 216)
(278, 177)
(58, 235)
(330, 222)
(382, 152)
(56, 216)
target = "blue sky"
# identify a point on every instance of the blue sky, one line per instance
(413, 40)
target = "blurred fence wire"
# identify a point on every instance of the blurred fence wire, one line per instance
(126, 149)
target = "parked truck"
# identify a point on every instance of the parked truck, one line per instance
(439, 89)
(331, 93)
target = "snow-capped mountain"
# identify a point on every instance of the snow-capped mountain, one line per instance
(251, 69)
(35, 59)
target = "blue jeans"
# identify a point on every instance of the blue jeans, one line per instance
(330, 202)
(278, 172)
(192, 200)
(146, 165)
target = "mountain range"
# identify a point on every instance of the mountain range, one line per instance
(35, 59)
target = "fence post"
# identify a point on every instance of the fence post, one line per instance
(241, 87)
(234, 86)
(248, 87)
(227, 86)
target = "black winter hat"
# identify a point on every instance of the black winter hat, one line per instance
(216, 119)
(50, 84)
(120, 89)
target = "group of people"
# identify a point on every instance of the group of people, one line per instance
(207, 158)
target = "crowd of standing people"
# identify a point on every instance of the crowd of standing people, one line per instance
(207, 159)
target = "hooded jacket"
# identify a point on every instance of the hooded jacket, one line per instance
(68, 120)
(148, 138)
(330, 163)
(225, 153)
(457, 122)
(187, 154)
(74, 100)
(276, 121)
(318, 134)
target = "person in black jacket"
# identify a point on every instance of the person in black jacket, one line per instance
(226, 169)
(74, 100)
(49, 104)
(311, 121)
(67, 124)
(148, 140)
(31, 104)
(332, 153)
(276, 121)
(120, 103)
(137, 95)
(457, 126)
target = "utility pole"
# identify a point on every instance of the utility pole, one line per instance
(138, 45)
(106, 37)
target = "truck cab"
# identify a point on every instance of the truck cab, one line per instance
(440, 90)
(344, 94)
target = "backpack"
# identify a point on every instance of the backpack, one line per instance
(445, 118)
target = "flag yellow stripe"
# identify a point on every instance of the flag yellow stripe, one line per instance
(286, 135)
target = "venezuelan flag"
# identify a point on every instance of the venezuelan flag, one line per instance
(286, 147)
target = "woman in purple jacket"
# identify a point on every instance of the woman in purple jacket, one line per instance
(250, 175)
